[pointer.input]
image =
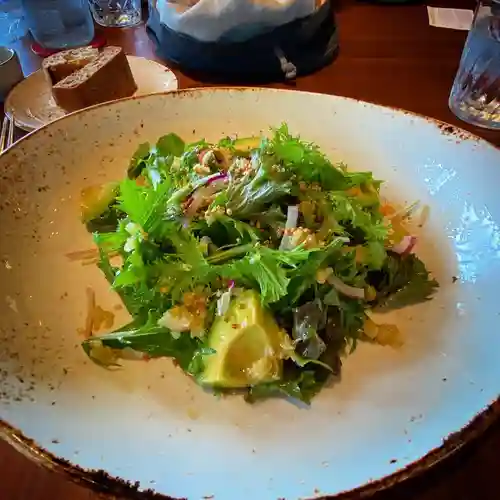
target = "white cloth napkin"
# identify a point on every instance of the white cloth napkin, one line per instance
(209, 20)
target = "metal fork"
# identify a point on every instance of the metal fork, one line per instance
(7, 134)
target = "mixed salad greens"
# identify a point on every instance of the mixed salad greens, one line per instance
(254, 263)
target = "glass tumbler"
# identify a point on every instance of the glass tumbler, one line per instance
(116, 13)
(59, 24)
(475, 95)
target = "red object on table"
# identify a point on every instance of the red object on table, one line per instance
(98, 41)
(388, 55)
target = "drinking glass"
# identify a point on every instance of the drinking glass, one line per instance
(475, 95)
(116, 13)
(59, 24)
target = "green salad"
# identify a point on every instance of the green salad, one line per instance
(254, 263)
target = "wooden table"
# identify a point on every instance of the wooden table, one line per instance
(389, 55)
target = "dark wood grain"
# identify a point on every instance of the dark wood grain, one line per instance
(389, 55)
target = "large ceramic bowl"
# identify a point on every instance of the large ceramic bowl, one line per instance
(148, 424)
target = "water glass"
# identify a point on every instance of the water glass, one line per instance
(475, 95)
(59, 24)
(116, 13)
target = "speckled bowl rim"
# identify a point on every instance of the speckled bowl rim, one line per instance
(103, 483)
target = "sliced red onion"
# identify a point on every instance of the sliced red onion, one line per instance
(230, 284)
(411, 246)
(285, 243)
(348, 290)
(292, 217)
(216, 186)
(215, 177)
(194, 202)
(204, 182)
(223, 303)
(405, 246)
(210, 186)
(202, 154)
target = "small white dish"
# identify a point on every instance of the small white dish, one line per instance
(31, 105)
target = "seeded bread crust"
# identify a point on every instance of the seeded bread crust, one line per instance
(106, 78)
(58, 66)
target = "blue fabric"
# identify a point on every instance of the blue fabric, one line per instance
(297, 48)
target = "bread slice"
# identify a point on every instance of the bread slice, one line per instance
(104, 79)
(58, 66)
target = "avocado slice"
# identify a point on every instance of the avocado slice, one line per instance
(248, 346)
(244, 145)
(95, 200)
(368, 199)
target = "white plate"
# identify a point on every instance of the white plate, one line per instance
(31, 104)
(148, 422)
